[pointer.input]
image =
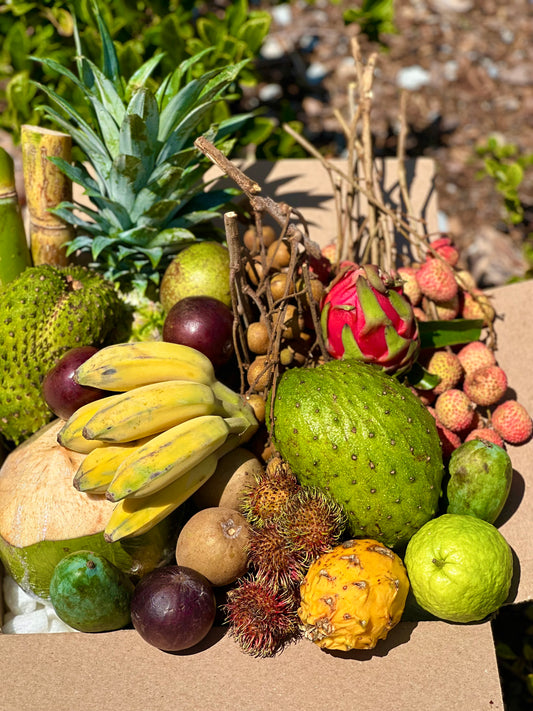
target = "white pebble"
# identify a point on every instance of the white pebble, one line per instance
(272, 49)
(282, 14)
(315, 72)
(412, 78)
(270, 92)
(35, 622)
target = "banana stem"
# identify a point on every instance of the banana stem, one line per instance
(14, 250)
(46, 187)
(234, 404)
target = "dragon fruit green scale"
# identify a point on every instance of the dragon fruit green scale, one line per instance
(365, 316)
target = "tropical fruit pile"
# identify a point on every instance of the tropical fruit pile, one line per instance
(240, 424)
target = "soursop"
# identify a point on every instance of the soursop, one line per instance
(361, 435)
(44, 312)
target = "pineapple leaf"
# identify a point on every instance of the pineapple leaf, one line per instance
(154, 254)
(110, 64)
(88, 141)
(93, 141)
(173, 237)
(172, 83)
(181, 133)
(144, 106)
(83, 71)
(77, 173)
(139, 236)
(126, 178)
(100, 243)
(54, 66)
(139, 78)
(65, 210)
(81, 244)
(109, 97)
(180, 105)
(159, 212)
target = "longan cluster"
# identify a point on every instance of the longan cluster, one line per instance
(285, 287)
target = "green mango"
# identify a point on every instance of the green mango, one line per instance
(480, 480)
(91, 594)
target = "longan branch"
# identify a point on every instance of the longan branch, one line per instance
(262, 204)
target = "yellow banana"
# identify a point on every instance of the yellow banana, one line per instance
(150, 409)
(97, 470)
(124, 366)
(170, 454)
(131, 517)
(71, 434)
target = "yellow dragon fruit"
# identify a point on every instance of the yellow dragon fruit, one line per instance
(353, 595)
(365, 316)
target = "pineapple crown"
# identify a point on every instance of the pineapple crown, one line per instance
(143, 174)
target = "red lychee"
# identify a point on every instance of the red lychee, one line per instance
(445, 249)
(410, 285)
(475, 355)
(512, 422)
(454, 409)
(444, 310)
(449, 440)
(426, 397)
(486, 386)
(437, 280)
(476, 305)
(449, 369)
(486, 433)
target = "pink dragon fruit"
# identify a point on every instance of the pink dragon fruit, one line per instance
(365, 316)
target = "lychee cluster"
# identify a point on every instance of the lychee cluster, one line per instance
(470, 400)
(291, 526)
(439, 290)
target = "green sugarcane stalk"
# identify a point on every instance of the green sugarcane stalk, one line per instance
(14, 250)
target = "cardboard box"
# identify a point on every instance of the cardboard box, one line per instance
(421, 665)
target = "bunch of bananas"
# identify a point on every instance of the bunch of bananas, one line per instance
(153, 442)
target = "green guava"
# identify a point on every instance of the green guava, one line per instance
(202, 269)
(480, 480)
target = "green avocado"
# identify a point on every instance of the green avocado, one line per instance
(362, 436)
(91, 594)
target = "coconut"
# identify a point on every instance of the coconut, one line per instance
(44, 518)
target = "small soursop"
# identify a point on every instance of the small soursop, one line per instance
(362, 436)
(43, 313)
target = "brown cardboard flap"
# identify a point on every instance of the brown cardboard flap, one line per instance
(429, 665)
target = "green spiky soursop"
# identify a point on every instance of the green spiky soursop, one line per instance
(361, 435)
(43, 313)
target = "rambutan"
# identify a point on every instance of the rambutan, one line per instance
(313, 521)
(266, 499)
(271, 554)
(261, 618)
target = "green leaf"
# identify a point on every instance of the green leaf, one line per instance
(111, 100)
(100, 243)
(88, 141)
(139, 78)
(144, 105)
(172, 236)
(126, 177)
(172, 83)
(421, 378)
(437, 334)
(110, 64)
